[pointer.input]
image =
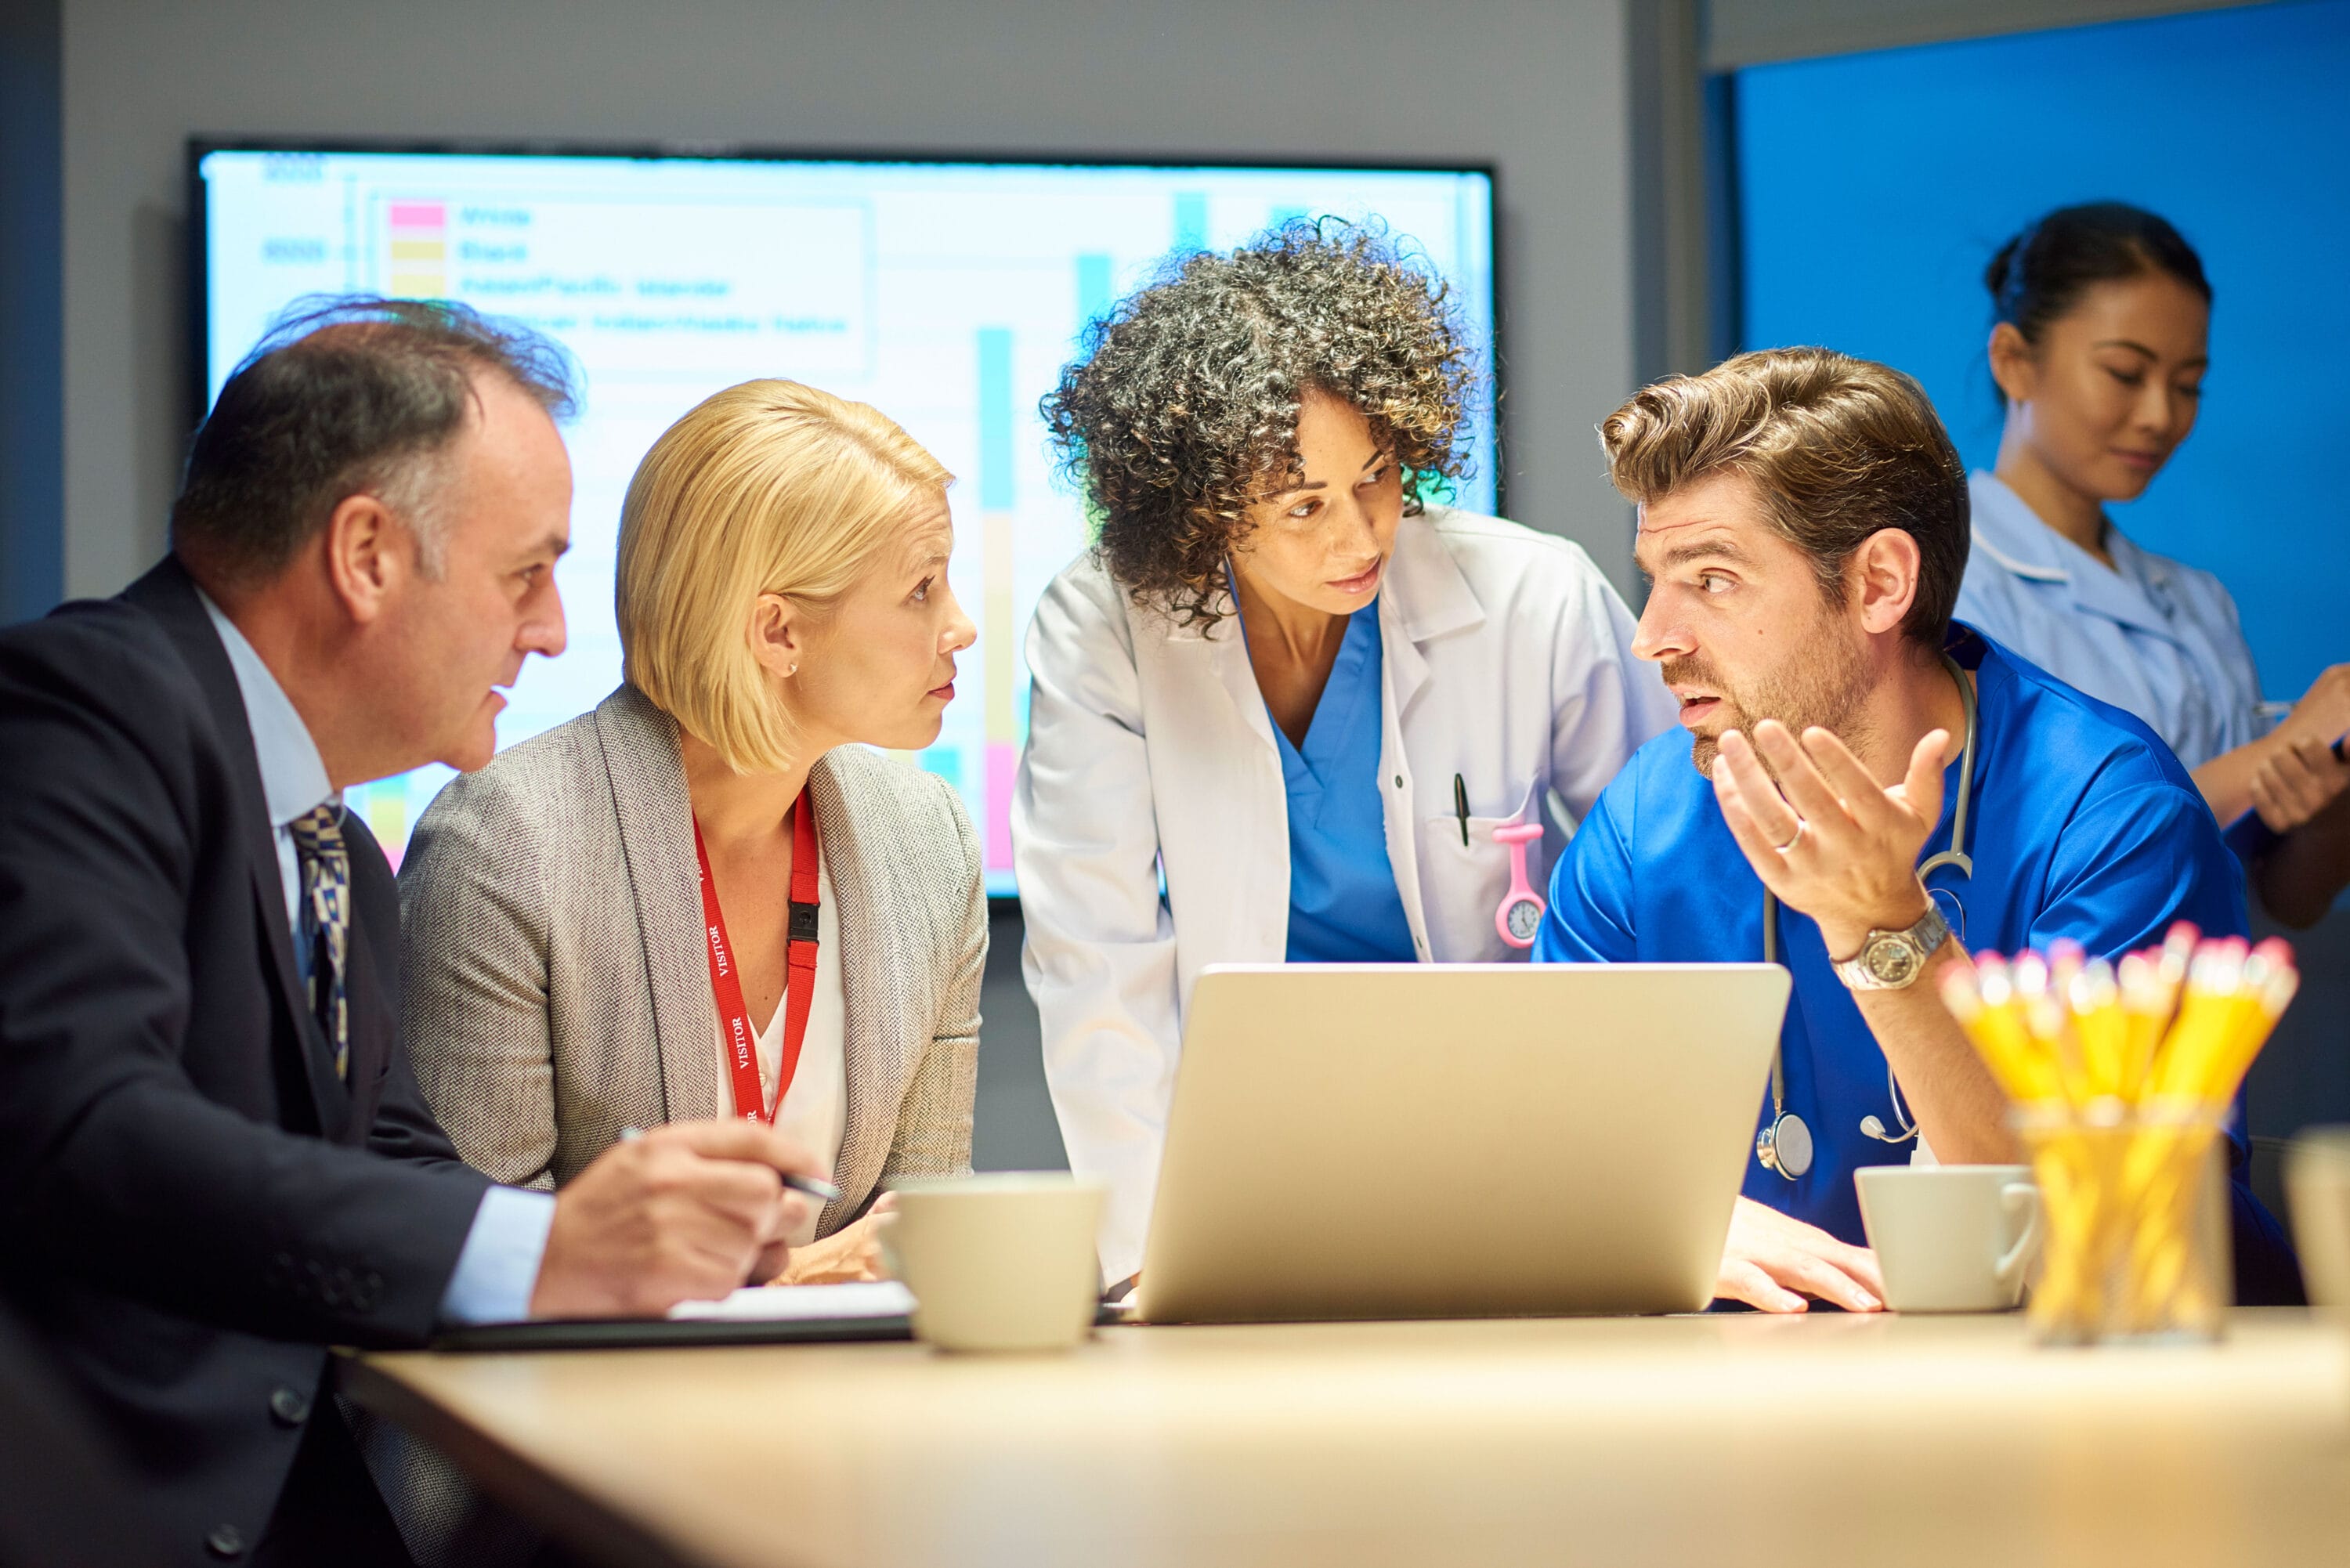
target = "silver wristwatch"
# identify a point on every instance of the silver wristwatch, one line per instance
(1890, 961)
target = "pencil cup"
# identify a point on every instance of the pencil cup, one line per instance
(2137, 1231)
(1003, 1261)
(2125, 1073)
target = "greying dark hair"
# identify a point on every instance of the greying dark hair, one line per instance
(1184, 410)
(1836, 449)
(2039, 277)
(345, 396)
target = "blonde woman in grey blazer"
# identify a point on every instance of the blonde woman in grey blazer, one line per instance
(781, 595)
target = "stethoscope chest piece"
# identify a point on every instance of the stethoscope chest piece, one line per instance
(1786, 1146)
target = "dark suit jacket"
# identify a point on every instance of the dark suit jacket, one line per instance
(66, 1498)
(191, 1205)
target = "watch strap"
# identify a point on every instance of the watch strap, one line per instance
(1921, 939)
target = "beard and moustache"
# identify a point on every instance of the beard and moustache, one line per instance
(1826, 684)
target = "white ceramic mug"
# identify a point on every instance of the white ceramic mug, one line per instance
(1001, 1262)
(1951, 1237)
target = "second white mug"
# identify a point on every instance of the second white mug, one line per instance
(1951, 1237)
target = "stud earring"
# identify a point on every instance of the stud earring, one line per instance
(795, 669)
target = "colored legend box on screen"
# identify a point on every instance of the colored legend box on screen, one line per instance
(417, 249)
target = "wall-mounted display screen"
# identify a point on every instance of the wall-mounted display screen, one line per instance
(949, 294)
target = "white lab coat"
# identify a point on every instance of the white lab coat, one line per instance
(1506, 659)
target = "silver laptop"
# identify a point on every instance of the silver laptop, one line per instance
(1457, 1140)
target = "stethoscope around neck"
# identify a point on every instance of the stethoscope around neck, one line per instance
(1786, 1146)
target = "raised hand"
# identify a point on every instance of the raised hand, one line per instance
(1828, 839)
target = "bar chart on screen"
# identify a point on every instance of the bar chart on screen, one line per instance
(949, 295)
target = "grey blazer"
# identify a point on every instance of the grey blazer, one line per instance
(557, 987)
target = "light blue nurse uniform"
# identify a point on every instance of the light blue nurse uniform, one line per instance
(2152, 636)
(1343, 903)
(2084, 825)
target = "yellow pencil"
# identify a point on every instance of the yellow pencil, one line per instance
(2205, 1016)
(2101, 1025)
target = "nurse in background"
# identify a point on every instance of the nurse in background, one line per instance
(2102, 318)
(1285, 680)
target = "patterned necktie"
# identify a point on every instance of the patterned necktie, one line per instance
(326, 897)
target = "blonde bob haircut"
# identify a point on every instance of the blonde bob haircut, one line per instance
(770, 487)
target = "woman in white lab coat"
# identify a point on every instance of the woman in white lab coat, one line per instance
(1281, 680)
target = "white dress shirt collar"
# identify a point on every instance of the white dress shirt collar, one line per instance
(294, 780)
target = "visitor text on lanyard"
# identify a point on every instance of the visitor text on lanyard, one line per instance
(750, 1102)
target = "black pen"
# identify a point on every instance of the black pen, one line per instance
(821, 1191)
(1460, 807)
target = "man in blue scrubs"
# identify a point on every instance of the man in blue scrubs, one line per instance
(1804, 523)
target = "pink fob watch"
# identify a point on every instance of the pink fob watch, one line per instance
(1522, 907)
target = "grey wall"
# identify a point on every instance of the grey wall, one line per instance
(1537, 87)
(1013, 1126)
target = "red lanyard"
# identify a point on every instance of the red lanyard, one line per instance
(799, 967)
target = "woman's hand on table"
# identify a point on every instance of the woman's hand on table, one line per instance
(1774, 1263)
(850, 1256)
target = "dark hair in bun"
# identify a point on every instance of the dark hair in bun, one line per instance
(2041, 274)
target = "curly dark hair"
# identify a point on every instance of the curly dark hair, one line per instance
(1184, 409)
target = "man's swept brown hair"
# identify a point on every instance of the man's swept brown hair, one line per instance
(1837, 448)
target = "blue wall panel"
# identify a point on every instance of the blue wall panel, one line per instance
(1873, 188)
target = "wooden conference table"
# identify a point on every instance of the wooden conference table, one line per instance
(1717, 1440)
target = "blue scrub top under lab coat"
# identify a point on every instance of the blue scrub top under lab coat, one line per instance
(1343, 903)
(2084, 826)
(2154, 637)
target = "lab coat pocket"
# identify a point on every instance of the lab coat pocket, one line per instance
(1461, 886)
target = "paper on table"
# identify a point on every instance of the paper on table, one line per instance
(797, 1303)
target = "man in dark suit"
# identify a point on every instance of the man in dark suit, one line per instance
(215, 1161)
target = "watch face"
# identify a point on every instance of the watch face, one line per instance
(1890, 961)
(1526, 918)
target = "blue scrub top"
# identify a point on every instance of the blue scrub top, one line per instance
(2084, 825)
(2154, 637)
(1343, 903)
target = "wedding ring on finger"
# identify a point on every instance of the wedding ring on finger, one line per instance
(1801, 827)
